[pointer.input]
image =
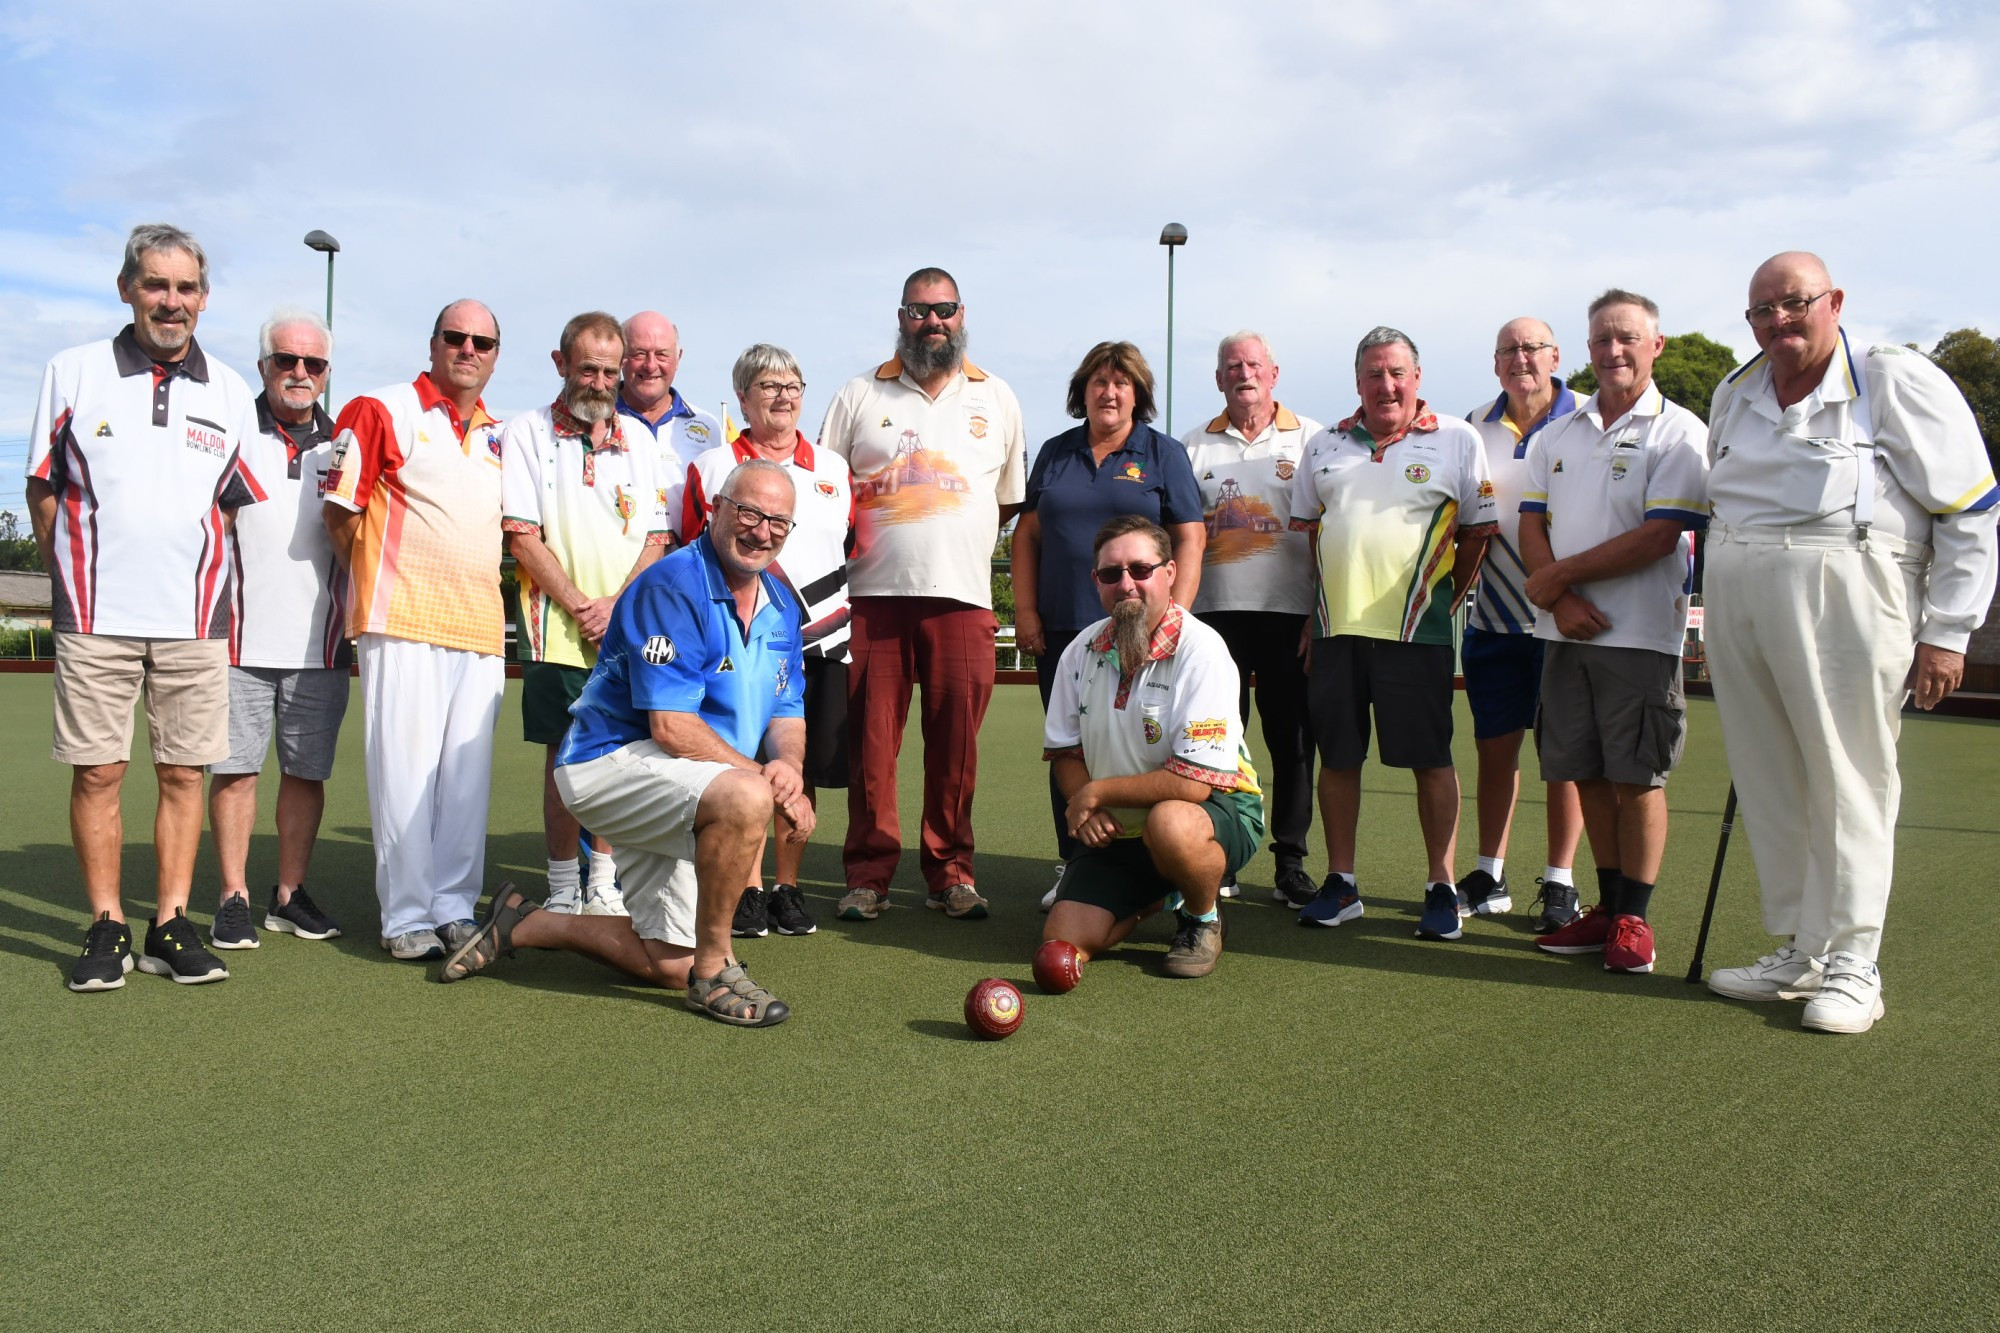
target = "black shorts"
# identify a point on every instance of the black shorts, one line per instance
(826, 723)
(1407, 685)
(1120, 877)
(547, 691)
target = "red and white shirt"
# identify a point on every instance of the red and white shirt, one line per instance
(288, 594)
(145, 460)
(814, 561)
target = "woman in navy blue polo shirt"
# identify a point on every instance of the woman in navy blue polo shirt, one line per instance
(1113, 464)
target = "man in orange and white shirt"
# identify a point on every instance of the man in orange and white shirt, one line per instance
(413, 506)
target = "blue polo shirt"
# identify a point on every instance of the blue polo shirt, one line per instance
(1149, 475)
(675, 645)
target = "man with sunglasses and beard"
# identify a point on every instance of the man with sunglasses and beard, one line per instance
(585, 513)
(288, 649)
(1147, 744)
(413, 507)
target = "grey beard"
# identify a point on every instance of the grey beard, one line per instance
(1130, 636)
(922, 360)
(591, 406)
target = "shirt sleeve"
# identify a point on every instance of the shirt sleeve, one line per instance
(364, 447)
(520, 479)
(1207, 741)
(1535, 488)
(668, 658)
(695, 505)
(46, 438)
(1009, 487)
(1180, 501)
(1928, 441)
(1063, 729)
(1477, 509)
(1304, 495)
(1677, 476)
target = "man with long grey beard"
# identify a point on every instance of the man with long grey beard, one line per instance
(1147, 744)
(584, 513)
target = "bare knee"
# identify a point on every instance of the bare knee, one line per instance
(1177, 828)
(739, 801)
(97, 780)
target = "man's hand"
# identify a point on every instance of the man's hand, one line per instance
(1089, 823)
(1547, 585)
(1935, 674)
(1577, 618)
(787, 783)
(594, 617)
(801, 817)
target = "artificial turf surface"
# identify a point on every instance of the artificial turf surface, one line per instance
(1340, 1129)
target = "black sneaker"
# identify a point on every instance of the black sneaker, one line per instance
(753, 916)
(1555, 907)
(300, 916)
(1295, 888)
(1479, 894)
(107, 956)
(174, 950)
(232, 928)
(788, 911)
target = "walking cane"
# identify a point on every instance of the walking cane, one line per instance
(1714, 884)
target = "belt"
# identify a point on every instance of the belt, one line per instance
(1857, 539)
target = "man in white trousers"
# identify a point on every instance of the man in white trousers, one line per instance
(413, 506)
(1850, 558)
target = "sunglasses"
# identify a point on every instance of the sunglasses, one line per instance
(457, 337)
(1138, 569)
(916, 310)
(315, 365)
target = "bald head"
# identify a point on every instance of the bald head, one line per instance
(652, 356)
(1525, 360)
(1801, 267)
(1795, 315)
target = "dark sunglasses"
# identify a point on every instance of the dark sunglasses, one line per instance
(315, 365)
(916, 310)
(1138, 569)
(457, 337)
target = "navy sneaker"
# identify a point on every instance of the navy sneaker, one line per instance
(1439, 920)
(1338, 901)
(299, 915)
(1479, 894)
(1555, 907)
(107, 956)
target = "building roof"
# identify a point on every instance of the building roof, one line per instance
(23, 590)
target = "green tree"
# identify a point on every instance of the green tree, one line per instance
(1687, 372)
(1973, 361)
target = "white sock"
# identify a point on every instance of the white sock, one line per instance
(1557, 875)
(603, 870)
(1346, 877)
(1492, 865)
(563, 878)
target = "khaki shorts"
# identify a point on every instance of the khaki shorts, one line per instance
(98, 681)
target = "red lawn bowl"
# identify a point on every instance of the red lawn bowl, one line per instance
(993, 1009)
(1057, 967)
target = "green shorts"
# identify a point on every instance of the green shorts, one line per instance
(547, 691)
(1122, 879)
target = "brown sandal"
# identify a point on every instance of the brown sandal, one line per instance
(731, 997)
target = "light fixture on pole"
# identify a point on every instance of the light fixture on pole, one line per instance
(1173, 236)
(326, 245)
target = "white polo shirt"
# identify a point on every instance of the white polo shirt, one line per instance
(1797, 466)
(1387, 518)
(814, 561)
(1594, 481)
(1177, 712)
(929, 477)
(1253, 560)
(684, 434)
(289, 595)
(1501, 605)
(595, 510)
(145, 461)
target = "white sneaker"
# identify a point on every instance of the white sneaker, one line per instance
(1787, 974)
(565, 902)
(1049, 898)
(1849, 998)
(604, 902)
(1228, 888)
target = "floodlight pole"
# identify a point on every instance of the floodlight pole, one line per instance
(1173, 236)
(325, 244)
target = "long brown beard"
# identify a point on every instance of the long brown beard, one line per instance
(1130, 636)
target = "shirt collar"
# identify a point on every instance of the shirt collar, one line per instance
(429, 399)
(718, 591)
(1561, 405)
(1651, 403)
(1286, 419)
(1166, 640)
(563, 423)
(802, 450)
(1423, 422)
(893, 369)
(132, 359)
(677, 406)
(298, 437)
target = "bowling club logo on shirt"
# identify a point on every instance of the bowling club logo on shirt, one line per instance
(826, 488)
(1619, 467)
(659, 650)
(1132, 472)
(977, 425)
(493, 442)
(1151, 726)
(206, 437)
(1417, 474)
(1286, 468)
(697, 432)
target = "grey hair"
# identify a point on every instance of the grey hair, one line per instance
(150, 236)
(1619, 296)
(286, 316)
(759, 359)
(1244, 336)
(750, 467)
(1384, 336)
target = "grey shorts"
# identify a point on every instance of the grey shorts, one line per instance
(1612, 714)
(304, 707)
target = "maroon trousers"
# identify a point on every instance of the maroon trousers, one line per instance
(945, 649)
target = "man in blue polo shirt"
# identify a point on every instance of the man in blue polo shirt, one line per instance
(699, 670)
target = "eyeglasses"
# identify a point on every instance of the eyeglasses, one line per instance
(1791, 307)
(315, 365)
(457, 337)
(1138, 569)
(1508, 353)
(780, 388)
(916, 310)
(747, 517)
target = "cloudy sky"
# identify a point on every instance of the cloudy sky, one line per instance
(771, 173)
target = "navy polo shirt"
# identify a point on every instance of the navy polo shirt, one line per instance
(675, 645)
(1149, 475)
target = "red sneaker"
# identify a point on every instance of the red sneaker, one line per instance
(1630, 948)
(1586, 934)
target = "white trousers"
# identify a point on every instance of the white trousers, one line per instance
(429, 714)
(1810, 638)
